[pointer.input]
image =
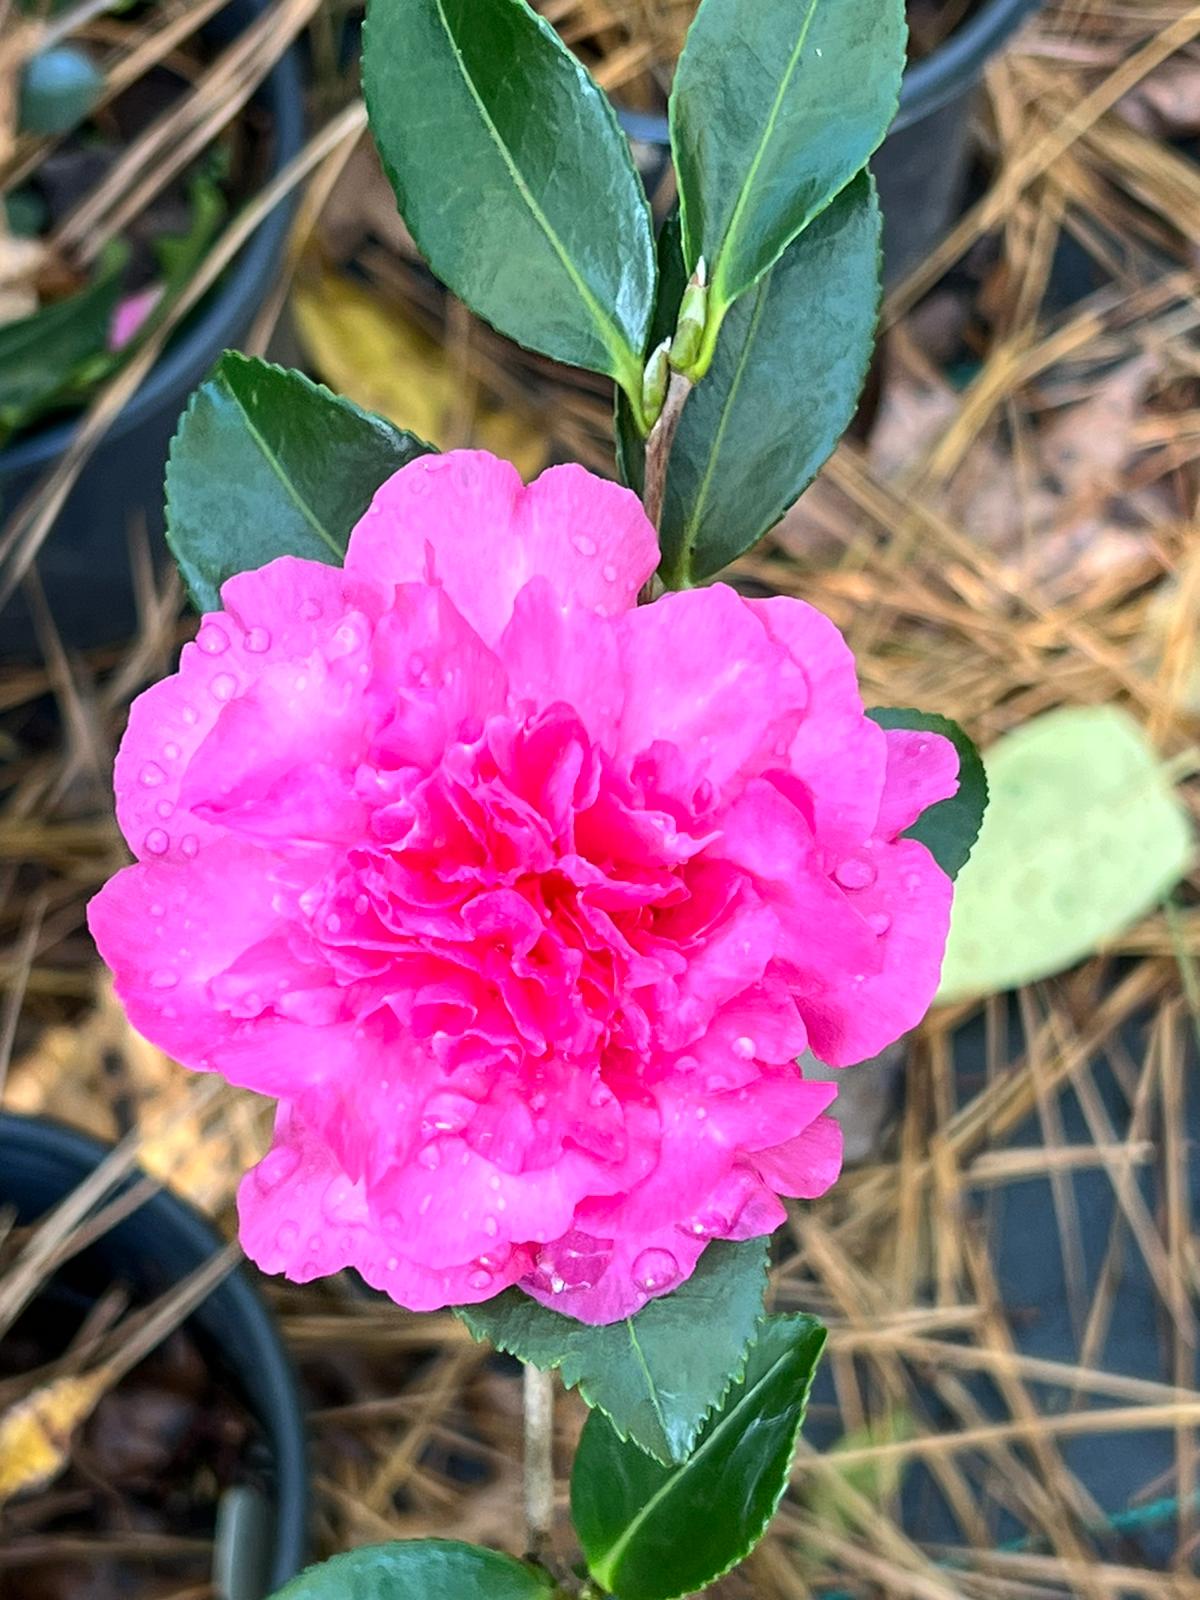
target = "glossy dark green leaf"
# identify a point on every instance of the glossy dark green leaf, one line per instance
(40, 354)
(774, 109)
(949, 829)
(651, 1374)
(267, 463)
(513, 176)
(651, 1532)
(420, 1569)
(782, 389)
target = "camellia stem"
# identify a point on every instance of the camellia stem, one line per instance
(658, 453)
(539, 1460)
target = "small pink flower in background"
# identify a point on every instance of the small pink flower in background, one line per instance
(520, 899)
(131, 316)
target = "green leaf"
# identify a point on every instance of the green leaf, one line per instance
(1084, 834)
(267, 463)
(40, 353)
(775, 108)
(781, 391)
(420, 1569)
(650, 1374)
(949, 829)
(514, 177)
(651, 1532)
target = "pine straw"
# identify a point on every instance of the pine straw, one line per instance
(1025, 542)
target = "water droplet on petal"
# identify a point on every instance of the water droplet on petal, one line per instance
(879, 922)
(430, 1156)
(585, 546)
(491, 1227)
(744, 1047)
(190, 715)
(361, 904)
(257, 641)
(310, 610)
(425, 1204)
(333, 922)
(164, 978)
(165, 809)
(288, 1234)
(223, 686)
(213, 640)
(152, 775)
(654, 1270)
(856, 872)
(189, 845)
(171, 751)
(158, 909)
(705, 1225)
(912, 881)
(392, 1263)
(157, 842)
(610, 572)
(480, 1279)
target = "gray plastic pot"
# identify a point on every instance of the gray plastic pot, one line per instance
(150, 1251)
(922, 168)
(84, 563)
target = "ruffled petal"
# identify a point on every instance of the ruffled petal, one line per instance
(922, 769)
(466, 521)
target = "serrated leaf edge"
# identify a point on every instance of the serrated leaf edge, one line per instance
(802, 1411)
(736, 1375)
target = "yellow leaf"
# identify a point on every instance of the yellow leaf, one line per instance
(370, 352)
(36, 1434)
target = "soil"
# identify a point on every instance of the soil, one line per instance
(146, 1474)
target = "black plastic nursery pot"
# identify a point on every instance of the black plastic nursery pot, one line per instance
(150, 1251)
(922, 168)
(84, 564)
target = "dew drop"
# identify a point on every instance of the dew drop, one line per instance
(171, 751)
(856, 872)
(585, 546)
(287, 1235)
(333, 922)
(879, 922)
(189, 845)
(913, 881)
(214, 641)
(223, 686)
(152, 775)
(165, 809)
(491, 1227)
(164, 978)
(309, 610)
(190, 715)
(258, 641)
(744, 1047)
(392, 1263)
(425, 1204)
(158, 910)
(705, 1225)
(610, 572)
(480, 1279)
(431, 1157)
(655, 1269)
(361, 904)
(157, 842)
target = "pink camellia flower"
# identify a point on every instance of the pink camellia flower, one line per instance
(520, 899)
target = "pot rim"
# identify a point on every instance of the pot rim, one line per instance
(928, 85)
(282, 95)
(254, 1344)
